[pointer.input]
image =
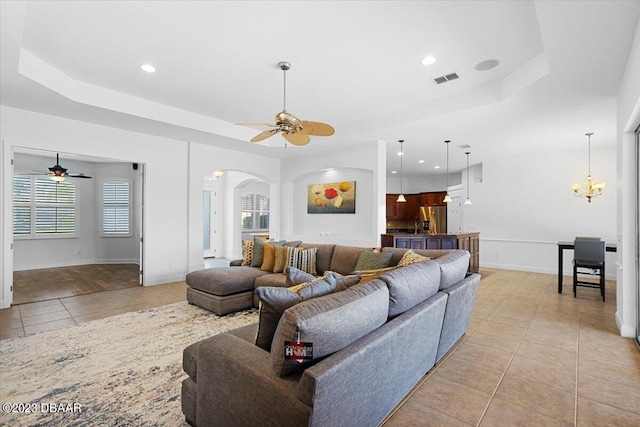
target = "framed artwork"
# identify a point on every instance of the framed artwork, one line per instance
(332, 198)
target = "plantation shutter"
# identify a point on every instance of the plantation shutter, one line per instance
(116, 209)
(21, 205)
(55, 207)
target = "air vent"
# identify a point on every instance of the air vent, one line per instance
(446, 78)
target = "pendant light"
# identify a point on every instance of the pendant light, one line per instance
(401, 154)
(593, 189)
(447, 198)
(468, 201)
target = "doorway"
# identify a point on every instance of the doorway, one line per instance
(87, 243)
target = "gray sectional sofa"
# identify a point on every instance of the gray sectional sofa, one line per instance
(372, 343)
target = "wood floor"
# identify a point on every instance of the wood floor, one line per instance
(53, 283)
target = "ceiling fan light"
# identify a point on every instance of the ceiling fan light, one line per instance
(57, 178)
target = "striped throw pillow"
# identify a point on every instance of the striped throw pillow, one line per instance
(302, 259)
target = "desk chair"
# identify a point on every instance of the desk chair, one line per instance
(589, 255)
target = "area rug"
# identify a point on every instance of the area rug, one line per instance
(120, 371)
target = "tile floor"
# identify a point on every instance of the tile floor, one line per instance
(531, 356)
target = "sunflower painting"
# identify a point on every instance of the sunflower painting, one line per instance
(334, 197)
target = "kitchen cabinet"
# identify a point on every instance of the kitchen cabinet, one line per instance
(391, 206)
(427, 199)
(395, 209)
(406, 242)
(413, 206)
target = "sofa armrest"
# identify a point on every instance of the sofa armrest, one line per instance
(238, 387)
(235, 263)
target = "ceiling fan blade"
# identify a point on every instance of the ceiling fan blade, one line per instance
(296, 138)
(307, 128)
(264, 135)
(321, 129)
(255, 124)
(78, 175)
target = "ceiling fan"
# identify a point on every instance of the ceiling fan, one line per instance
(58, 173)
(293, 129)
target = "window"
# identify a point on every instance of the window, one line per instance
(116, 208)
(42, 207)
(255, 212)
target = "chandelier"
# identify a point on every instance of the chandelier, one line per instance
(593, 189)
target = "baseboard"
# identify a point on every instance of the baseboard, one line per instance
(554, 271)
(81, 262)
(161, 280)
(625, 330)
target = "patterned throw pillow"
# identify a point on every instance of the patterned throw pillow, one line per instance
(410, 257)
(367, 275)
(274, 301)
(247, 252)
(280, 259)
(373, 260)
(302, 259)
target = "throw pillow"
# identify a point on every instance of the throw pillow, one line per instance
(296, 276)
(373, 260)
(247, 252)
(411, 257)
(258, 250)
(302, 259)
(274, 301)
(269, 257)
(280, 259)
(345, 282)
(367, 275)
(330, 323)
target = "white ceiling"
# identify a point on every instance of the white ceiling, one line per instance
(355, 65)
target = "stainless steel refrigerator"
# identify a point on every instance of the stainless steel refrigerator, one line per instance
(433, 219)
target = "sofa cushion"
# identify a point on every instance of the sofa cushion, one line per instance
(302, 259)
(274, 301)
(323, 255)
(411, 257)
(345, 258)
(277, 280)
(453, 268)
(330, 323)
(224, 280)
(258, 250)
(373, 260)
(247, 252)
(344, 282)
(410, 285)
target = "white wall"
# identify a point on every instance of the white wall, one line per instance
(627, 226)
(88, 247)
(524, 206)
(364, 164)
(165, 199)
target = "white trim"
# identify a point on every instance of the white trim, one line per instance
(625, 330)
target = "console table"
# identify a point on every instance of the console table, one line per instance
(609, 247)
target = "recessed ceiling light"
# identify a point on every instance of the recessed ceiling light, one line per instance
(394, 171)
(436, 167)
(487, 65)
(429, 60)
(148, 68)
(400, 153)
(421, 161)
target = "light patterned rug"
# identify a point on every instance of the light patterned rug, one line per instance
(120, 371)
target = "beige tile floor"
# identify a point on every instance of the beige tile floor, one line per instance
(25, 319)
(531, 356)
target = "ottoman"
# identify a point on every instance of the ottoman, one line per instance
(222, 290)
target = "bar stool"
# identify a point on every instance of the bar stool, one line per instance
(589, 255)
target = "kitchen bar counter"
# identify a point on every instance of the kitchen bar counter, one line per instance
(467, 241)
